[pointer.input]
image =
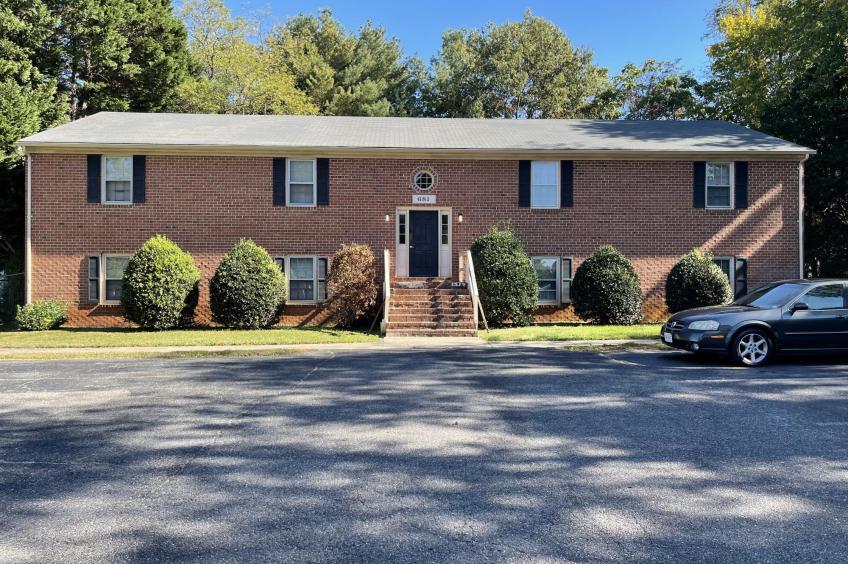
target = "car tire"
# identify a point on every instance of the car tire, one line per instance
(752, 348)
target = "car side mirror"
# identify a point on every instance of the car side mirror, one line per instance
(800, 306)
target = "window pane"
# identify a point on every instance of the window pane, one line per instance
(301, 171)
(547, 296)
(718, 196)
(114, 267)
(300, 268)
(543, 173)
(566, 290)
(402, 229)
(113, 289)
(718, 174)
(546, 268)
(117, 191)
(118, 168)
(543, 197)
(322, 269)
(566, 269)
(724, 265)
(300, 193)
(824, 297)
(301, 290)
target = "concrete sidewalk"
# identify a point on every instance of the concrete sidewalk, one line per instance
(389, 343)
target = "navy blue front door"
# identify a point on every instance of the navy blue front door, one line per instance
(424, 243)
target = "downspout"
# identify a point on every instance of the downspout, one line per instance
(28, 241)
(801, 215)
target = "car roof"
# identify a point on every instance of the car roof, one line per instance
(813, 281)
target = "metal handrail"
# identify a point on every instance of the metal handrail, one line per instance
(475, 294)
(387, 289)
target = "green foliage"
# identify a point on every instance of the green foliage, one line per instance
(696, 281)
(782, 66)
(526, 69)
(606, 289)
(160, 285)
(352, 284)
(235, 75)
(506, 279)
(248, 290)
(659, 90)
(344, 73)
(42, 315)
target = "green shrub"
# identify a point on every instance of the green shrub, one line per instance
(42, 315)
(160, 285)
(696, 281)
(248, 290)
(506, 279)
(606, 289)
(352, 284)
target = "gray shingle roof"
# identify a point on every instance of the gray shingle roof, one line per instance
(411, 134)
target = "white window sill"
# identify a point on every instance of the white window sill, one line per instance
(301, 205)
(110, 303)
(725, 208)
(118, 203)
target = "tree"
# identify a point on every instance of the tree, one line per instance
(526, 69)
(118, 55)
(782, 66)
(232, 73)
(28, 103)
(347, 74)
(660, 90)
(696, 281)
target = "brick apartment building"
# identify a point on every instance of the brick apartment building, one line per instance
(422, 188)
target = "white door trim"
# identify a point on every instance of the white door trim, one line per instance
(402, 250)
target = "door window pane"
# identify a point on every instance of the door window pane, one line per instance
(824, 297)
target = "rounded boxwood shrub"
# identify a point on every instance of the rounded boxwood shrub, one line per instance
(506, 279)
(160, 285)
(606, 289)
(42, 315)
(352, 284)
(248, 290)
(696, 281)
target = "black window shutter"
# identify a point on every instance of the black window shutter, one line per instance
(94, 279)
(740, 186)
(323, 166)
(566, 184)
(139, 175)
(278, 181)
(741, 276)
(93, 194)
(699, 184)
(524, 184)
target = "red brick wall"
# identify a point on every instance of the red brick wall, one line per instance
(207, 203)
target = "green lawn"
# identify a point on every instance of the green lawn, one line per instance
(573, 332)
(83, 337)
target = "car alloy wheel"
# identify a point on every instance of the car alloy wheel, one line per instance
(752, 348)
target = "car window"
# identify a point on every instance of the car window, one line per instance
(824, 297)
(775, 295)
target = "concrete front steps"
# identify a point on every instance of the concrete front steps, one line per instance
(430, 307)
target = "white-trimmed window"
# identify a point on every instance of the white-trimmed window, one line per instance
(106, 278)
(736, 270)
(117, 180)
(719, 187)
(547, 270)
(544, 184)
(301, 187)
(306, 277)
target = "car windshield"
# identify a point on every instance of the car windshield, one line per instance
(774, 295)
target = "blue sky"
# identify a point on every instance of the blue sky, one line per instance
(618, 31)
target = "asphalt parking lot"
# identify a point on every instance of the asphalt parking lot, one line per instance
(478, 454)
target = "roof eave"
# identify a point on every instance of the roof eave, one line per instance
(799, 153)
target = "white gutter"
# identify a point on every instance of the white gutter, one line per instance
(801, 215)
(28, 245)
